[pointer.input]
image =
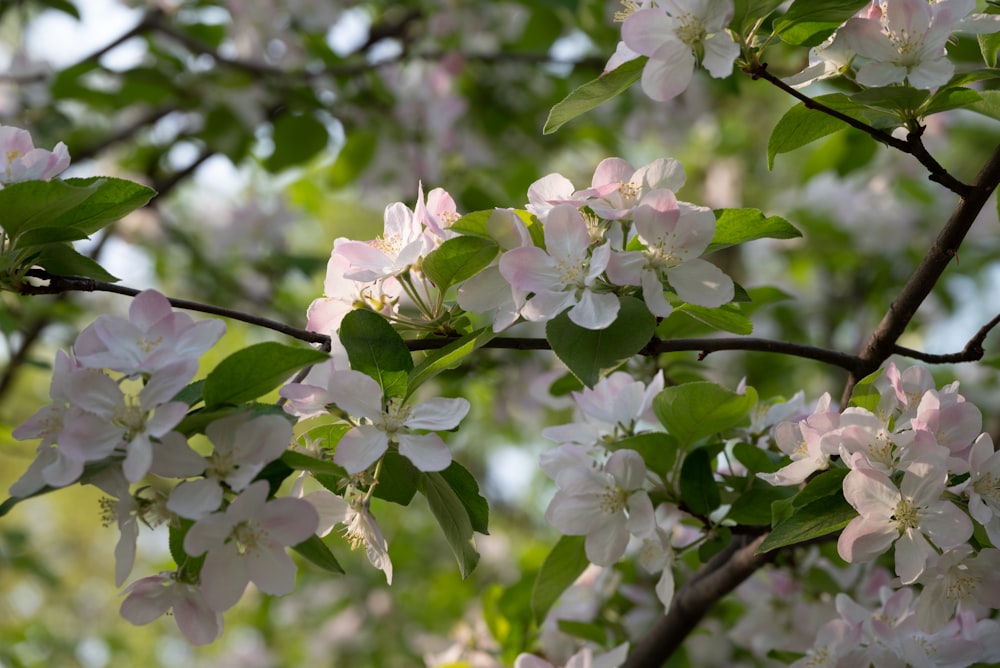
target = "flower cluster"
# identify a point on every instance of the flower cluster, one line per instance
(897, 41)
(114, 421)
(915, 457)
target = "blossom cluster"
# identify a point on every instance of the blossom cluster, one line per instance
(893, 42)
(625, 234)
(115, 420)
(920, 475)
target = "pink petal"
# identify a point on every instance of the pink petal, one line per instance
(224, 577)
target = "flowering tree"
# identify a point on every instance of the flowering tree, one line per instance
(844, 529)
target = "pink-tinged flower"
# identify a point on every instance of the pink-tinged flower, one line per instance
(675, 235)
(830, 59)
(153, 337)
(246, 543)
(957, 577)
(548, 192)
(907, 516)
(401, 245)
(564, 276)
(804, 444)
(617, 187)
(954, 422)
(593, 503)
(488, 291)
(861, 431)
(613, 409)
(310, 398)
(835, 640)
(672, 34)
(148, 598)
(116, 418)
(241, 448)
(437, 214)
(907, 43)
(983, 486)
(21, 161)
(391, 422)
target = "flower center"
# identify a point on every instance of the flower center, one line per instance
(960, 586)
(629, 7)
(988, 487)
(130, 417)
(882, 450)
(905, 515)
(690, 29)
(148, 345)
(396, 413)
(390, 244)
(248, 536)
(613, 500)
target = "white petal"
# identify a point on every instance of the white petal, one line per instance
(427, 452)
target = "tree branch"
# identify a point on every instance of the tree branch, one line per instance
(912, 145)
(972, 352)
(723, 573)
(883, 340)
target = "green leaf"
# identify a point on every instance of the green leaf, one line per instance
(457, 259)
(809, 22)
(473, 224)
(398, 479)
(738, 226)
(448, 357)
(728, 317)
(377, 350)
(989, 44)
(316, 551)
(593, 93)
(865, 394)
(717, 541)
(38, 236)
(658, 450)
(818, 518)
(32, 204)
(112, 200)
(62, 260)
(948, 99)
(989, 104)
(303, 462)
(824, 484)
(451, 514)
(593, 353)
(753, 508)
(755, 459)
(699, 491)
(900, 101)
(466, 489)
(297, 138)
(695, 410)
(254, 371)
(592, 631)
(191, 394)
(800, 125)
(561, 568)
(747, 12)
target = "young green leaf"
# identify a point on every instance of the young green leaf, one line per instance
(809, 22)
(593, 93)
(62, 260)
(254, 371)
(738, 226)
(398, 479)
(377, 350)
(453, 517)
(699, 491)
(692, 411)
(593, 353)
(559, 570)
(466, 489)
(316, 551)
(818, 518)
(801, 125)
(457, 259)
(448, 357)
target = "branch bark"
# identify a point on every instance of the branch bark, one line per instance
(723, 573)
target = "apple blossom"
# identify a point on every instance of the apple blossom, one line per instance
(246, 543)
(907, 516)
(148, 598)
(956, 578)
(673, 36)
(400, 247)
(674, 235)
(585, 658)
(803, 441)
(617, 188)
(154, 336)
(564, 276)
(21, 161)
(391, 421)
(613, 409)
(983, 487)
(242, 446)
(593, 503)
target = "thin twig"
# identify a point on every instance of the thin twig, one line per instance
(882, 341)
(972, 352)
(912, 145)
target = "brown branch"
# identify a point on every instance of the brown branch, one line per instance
(723, 573)
(60, 284)
(883, 340)
(913, 144)
(972, 352)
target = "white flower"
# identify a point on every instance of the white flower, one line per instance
(391, 422)
(148, 598)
